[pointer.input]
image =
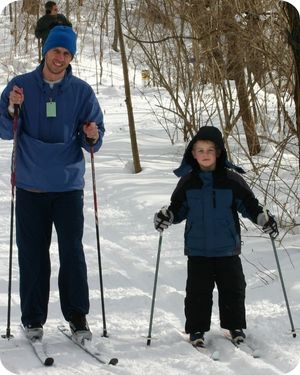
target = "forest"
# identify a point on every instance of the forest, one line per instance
(231, 64)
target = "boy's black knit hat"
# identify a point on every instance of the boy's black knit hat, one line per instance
(209, 133)
(205, 133)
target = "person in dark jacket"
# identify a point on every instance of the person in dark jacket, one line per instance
(59, 117)
(49, 20)
(209, 196)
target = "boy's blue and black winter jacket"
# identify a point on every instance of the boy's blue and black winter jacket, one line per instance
(210, 203)
(49, 153)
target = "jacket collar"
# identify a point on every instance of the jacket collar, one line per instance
(38, 72)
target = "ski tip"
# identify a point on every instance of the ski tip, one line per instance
(113, 361)
(256, 353)
(49, 361)
(215, 355)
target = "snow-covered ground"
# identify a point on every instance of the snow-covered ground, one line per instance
(129, 247)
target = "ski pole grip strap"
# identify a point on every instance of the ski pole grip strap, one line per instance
(266, 213)
(90, 141)
(16, 109)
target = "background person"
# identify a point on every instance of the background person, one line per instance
(49, 20)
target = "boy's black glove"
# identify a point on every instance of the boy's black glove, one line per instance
(163, 219)
(269, 225)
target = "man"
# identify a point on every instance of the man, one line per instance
(49, 20)
(59, 115)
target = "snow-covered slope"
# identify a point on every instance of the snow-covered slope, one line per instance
(129, 244)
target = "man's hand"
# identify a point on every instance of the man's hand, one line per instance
(91, 132)
(16, 97)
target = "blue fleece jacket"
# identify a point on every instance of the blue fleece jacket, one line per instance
(49, 154)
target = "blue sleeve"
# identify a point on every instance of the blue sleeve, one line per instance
(6, 121)
(93, 113)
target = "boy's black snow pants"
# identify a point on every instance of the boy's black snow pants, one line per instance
(203, 274)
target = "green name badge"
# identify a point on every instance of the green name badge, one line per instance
(51, 109)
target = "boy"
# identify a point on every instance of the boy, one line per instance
(209, 196)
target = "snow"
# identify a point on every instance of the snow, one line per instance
(129, 245)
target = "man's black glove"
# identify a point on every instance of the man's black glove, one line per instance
(268, 223)
(163, 219)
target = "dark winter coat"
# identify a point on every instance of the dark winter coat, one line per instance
(47, 22)
(210, 203)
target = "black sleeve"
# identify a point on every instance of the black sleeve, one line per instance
(62, 20)
(246, 202)
(178, 203)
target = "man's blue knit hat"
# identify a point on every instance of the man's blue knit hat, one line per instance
(60, 36)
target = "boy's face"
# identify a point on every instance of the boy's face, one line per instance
(206, 154)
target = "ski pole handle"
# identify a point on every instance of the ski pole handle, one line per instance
(90, 141)
(91, 135)
(16, 109)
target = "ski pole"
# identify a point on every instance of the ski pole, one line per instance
(97, 236)
(12, 211)
(154, 288)
(281, 280)
(283, 287)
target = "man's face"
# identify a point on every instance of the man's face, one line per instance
(54, 10)
(56, 61)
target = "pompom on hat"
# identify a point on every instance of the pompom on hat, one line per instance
(60, 36)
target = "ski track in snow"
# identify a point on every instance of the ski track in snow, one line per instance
(129, 243)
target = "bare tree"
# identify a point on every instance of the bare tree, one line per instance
(294, 40)
(134, 146)
(114, 45)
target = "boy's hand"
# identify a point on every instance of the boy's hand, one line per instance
(271, 227)
(269, 224)
(163, 219)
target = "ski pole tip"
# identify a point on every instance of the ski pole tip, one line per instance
(113, 361)
(105, 334)
(49, 361)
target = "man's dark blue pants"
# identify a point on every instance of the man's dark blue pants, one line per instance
(36, 213)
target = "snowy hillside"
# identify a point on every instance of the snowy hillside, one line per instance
(129, 247)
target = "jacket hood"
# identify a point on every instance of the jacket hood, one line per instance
(205, 133)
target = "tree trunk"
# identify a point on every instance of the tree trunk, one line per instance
(134, 147)
(67, 12)
(30, 7)
(114, 45)
(237, 73)
(294, 40)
